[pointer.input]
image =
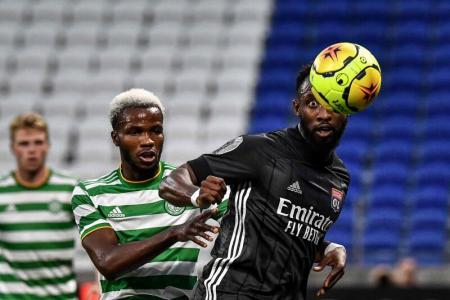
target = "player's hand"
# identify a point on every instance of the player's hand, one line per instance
(196, 227)
(212, 190)
(336, 259)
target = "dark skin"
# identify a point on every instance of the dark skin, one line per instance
(321, 128)
(140, 138)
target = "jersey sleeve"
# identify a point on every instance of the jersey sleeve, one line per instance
(87, 217)
(237, 160)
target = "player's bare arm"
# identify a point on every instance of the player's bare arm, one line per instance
(336, 258)
(113, 259)
(182, 184)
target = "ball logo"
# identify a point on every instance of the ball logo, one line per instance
(342, 79)
(174, 210)
(363, 60)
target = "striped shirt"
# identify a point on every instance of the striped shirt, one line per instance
(37, 234)
(135, 212)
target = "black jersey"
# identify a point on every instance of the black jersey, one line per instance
(282, 202)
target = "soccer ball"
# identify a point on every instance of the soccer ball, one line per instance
(345, 78)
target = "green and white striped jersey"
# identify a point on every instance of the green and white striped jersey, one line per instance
(37, 233)
(135, 212)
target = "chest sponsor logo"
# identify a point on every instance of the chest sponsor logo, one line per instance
(295, 187)
(173, 210)
(304, 222)
(229, 146)
(336, 199)
(116, 213)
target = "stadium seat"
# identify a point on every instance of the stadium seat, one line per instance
(393, 151)
(353, 151)
(437, 173)
(264, 124)
(427, 246)
(394, 128)
(431, 196)
(428, 219)
(388, 196)
(390, 218)
(381, 247)
(435, 151)
(390, 173)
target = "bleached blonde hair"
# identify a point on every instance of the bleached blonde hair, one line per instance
(132, 98)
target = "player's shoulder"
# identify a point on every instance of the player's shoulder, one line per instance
(167, 168)
(104, 180)
(6, 179)
(340, 169)
(62, 177)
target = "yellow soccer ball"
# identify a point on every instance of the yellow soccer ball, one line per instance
(345, 78)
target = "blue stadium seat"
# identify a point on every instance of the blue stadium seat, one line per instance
(388, 196)
(384, 219)
(330, 9)
(408, 54)
(358, 128)
(438, 79)
(429, 219)
(398, 128)
(381, 247)
(400, 102)
(264, 124)
(413, 10)
(286, 32)
(435, 197)
(366, 32)
(437, 103)
(435, 151)
(352, 151)
(403, 78)
(427, 246)
(276, 80)
(284, 57)
(388, 151)
(354, 192)
(390, 173)
(432, 174)
(437, 128)
(274, 104)
(376, 11)
(440, 56)
(410, 31)
(290, 10)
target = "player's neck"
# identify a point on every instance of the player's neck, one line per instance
(132, 175)
(32, 179)
(320, 155)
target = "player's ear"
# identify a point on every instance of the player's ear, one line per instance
(296, 107)
(115, 137)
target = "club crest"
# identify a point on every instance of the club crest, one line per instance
(336, 199)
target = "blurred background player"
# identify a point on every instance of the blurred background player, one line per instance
(36, 221)
(288, 188)
(141, 244)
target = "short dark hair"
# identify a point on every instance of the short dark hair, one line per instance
(302, 75)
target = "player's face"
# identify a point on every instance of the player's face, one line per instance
(321, 126)
(30, 147)
(140, 138)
